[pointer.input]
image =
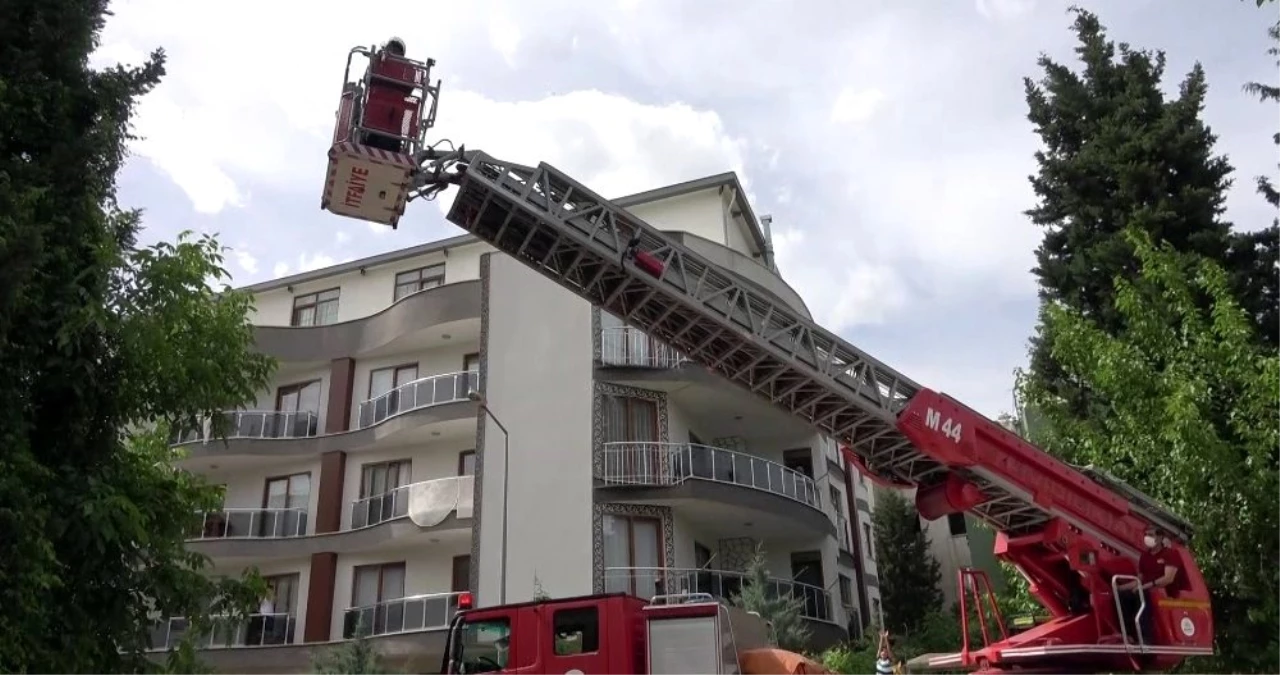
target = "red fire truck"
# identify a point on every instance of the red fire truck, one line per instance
(1072, 532)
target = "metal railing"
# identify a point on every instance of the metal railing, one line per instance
(255, 630)
(420, 393)
(647, 582)
(402, 615)
(389, 505)
(264, 523)
(254, 424)
(843, 534)
(659, 464)
(630, 347)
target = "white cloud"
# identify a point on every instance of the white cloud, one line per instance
(246, 261)
(855, 292)
(280, 269)
(504, 36)
(342, 237)
(613, 144)
(1004, 9)
(854, 106)
(313, 261)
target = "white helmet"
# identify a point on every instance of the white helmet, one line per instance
(396, 46)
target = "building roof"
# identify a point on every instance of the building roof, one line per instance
(728, 179)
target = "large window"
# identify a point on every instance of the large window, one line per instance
(408, 283)
(632, 423)
(303, 397)
(374, 590)
(379, 498)
(384, 380)
(632, 554)
(277, 613)
(315, 309)
(467, 463)
(286, 492)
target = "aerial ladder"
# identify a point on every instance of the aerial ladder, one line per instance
(1066, 529)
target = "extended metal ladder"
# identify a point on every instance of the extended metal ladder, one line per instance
(573, 236)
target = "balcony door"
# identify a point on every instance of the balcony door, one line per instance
(285, 492)
(380, 499)
(277, 613)
(294, 401)
(375, 589)
(633, 555)
(631, 426)
(623, 345)
(383, 390)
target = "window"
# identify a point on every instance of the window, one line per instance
(383, 477)
(482, 645)
(304, 397)
(956, 523)
(285, 501)
(379, 500)
(471, 363)
(461, 573)
(846, 591)
(273, 625)
(408, 283)
(632, 551)
(385, 380)
(837, 499)
(875, 610)
(871, 544)
(576, 631)
(629, 419)
(374, 590)
(316, 309)
(467, 463)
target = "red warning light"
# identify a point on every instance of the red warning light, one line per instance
(464, 601)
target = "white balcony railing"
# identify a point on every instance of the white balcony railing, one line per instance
(664, 464)
(255, 630)
(401, 615)
(394, 503)
(241, 424)
(647, 582)
(420, 393)
(629, 347)
(264, 523)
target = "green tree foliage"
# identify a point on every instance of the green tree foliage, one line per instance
(1117, 154)
(356, 656)
(909, 575)
(1192, 422)
(781, 610)
(99, 339)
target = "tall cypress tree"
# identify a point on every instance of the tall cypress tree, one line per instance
(1115, 154)
(909, 575)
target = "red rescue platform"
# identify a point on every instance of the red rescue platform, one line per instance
(382, 120)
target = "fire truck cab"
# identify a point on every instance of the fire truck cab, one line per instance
(608, 633)
(382, 120)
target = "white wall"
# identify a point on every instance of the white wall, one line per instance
(539, 341)
(428, 568)
(369, 293)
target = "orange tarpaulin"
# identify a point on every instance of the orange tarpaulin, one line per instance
(777, 662)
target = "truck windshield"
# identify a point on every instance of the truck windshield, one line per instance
(482, 645)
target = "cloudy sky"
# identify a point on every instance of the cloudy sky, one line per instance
(887, 138)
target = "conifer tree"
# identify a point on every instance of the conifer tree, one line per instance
(910, 576)
(781, 610)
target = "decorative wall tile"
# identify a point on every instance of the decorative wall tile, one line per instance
(597, 355)
(483, 383)
(598, 512)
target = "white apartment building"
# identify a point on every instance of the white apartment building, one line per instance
(446, 420)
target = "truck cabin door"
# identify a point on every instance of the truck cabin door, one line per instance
(484, 644)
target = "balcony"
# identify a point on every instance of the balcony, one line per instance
(418, 394)
(255, 630)
(669, 464)
(254, 424)
(647, 582)
(426, 503)
(432, 611)
(264, 523)
(627, 347)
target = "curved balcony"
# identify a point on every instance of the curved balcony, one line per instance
(255, 630)
(697, 476)
(426, 503)
(647, 582)
(666, 464)
(252, 424)
(627, 347)
(264, 523)
(432, 611)
(421, 393)
(411, 314)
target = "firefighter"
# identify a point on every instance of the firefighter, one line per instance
(1155, 570)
